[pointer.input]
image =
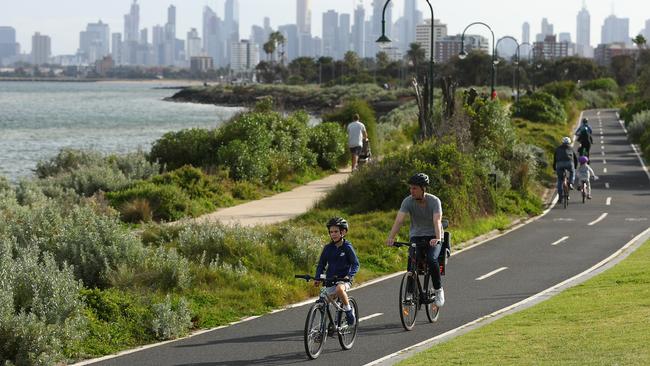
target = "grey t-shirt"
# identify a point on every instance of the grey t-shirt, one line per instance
(421, 216)
(355, 134)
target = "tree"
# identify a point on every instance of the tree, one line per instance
(278, 40)
(639, 41)
(305, 69)
(622, 68)
(417, 57)
(269, 49)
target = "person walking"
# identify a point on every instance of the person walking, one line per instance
(357, 134)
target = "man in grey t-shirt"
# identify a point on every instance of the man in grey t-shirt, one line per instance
(356, 136)
(425, 211)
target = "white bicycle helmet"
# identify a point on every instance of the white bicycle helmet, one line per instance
(566, 140)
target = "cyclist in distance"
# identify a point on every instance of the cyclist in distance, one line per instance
(425, 211)
(584, 137)
(565, 158)
(340, 260)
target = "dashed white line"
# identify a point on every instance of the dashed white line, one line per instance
(607, 185)
(602, 147)
(602, 153)
(370, 316)
(599, 219)
(491, 273)
(604, 162)
(608, 201)
(559, 241)
(604, 170)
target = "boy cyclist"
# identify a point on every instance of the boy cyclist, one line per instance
(584, 172)
(341, 261)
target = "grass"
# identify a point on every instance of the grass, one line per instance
(603, 321)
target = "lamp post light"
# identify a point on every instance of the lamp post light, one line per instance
(462, 55)
(516, 72)
(384, 42)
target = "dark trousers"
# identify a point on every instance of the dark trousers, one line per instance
(432, 254)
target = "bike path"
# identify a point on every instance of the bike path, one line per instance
(533, 264)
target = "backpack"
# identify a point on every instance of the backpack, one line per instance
(584, 135)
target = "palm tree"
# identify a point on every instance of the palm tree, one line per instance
(278, 40)
(269, 48)
(416, 55)
(639, 41)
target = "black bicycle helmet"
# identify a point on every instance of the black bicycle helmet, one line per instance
(585, 120)
(338, 221)
(420, 179)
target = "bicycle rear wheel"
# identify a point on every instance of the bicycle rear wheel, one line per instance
(315, 330)
(348, 333)
(408, 300)
(432, 309)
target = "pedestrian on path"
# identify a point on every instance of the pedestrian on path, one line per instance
(356, 136)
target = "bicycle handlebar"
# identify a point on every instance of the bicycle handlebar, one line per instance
(402, 244)
(308, 278)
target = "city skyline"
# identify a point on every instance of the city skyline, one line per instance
(63, 27)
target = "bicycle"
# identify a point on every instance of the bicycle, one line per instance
(413, 292)
(583, 188)
(565, 188)
(317, 327)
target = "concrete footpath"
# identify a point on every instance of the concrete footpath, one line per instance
(277, 208)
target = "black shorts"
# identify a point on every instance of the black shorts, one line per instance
(355, 150)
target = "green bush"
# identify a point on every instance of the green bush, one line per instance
(540, 107)
(328, 141)
(592, 99)
(170, 320)
(197, 147)
(627, 113)
(639, 125)
(167, 202)
(345, 115)
(562, 90)
(491, 128)
(41, 318)
(606, 84)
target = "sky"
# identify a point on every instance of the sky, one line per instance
(62, 20)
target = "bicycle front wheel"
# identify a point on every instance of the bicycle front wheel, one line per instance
(432, 309)
(408, 300)
(315, 330)
(348, 332)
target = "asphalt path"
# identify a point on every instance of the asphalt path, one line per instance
(479, 281)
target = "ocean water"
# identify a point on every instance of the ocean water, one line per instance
(37, 119)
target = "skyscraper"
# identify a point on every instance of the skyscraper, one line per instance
(343, 36)
(291, 45)
(231, 25)
(303, 16)
(170, 53)
(583, 32)
(41, 48)
(213, 37)
(116, 47)
(330, 30)
(407, 34)
(94, 42)
(193, 43)
(525, 32)
(132, 23)
(8, 45)
(615, 30)
(359, 31)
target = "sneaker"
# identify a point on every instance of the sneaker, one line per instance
(571, 186)
(349, 317)
(589, 197)
(440, 297)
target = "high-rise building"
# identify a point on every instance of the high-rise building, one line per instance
(231, 24)
(213, 37)
(170, 51)
(583, 33)
(409, 21)
(449, 47)
(41, 49)
(564, 37)
(646, 30)
(343, 43)
(330, 30)
(244, 56)
(291, 41)
(547, 30)
(8, 45)
(423, 35)
(303, 21)
(615, 30)
(132, 23)
(525, 32)
(116, 47)
(303, 16)
(550, 49)
(194, 46)
(359, 31)
(375, 25)
(94, 42)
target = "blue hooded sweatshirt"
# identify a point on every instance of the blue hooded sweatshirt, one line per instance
(340, 262)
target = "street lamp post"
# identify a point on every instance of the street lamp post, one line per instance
(463, 54)
(384, 42)
(516, 72)
(530, 52)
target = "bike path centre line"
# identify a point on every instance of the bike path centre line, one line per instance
(604, 162)
(491, 273)
(559, 241)
(599, 219)
(607, 185)
(604, 170)
(608, 202)
(370, 316)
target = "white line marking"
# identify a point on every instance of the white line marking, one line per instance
(491, 273)
(598, 113)
(636, 219)
(599, 219)
(370, 316)
(604, 170)
(602, 147)
(563, 219)
(602, 153)
(559, 241)
(607, 185)
(604, 162)
(608, 201)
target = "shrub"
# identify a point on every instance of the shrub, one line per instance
(328, 141)
(628, 112)
(540, 107)
(167, 202)
(67, 160)
(245, 191)
(170, 320)
(606, 84)
(560, 89)
(639, 125)
(40, 307)
(197, 147)
(491, 128)
(593, 99)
